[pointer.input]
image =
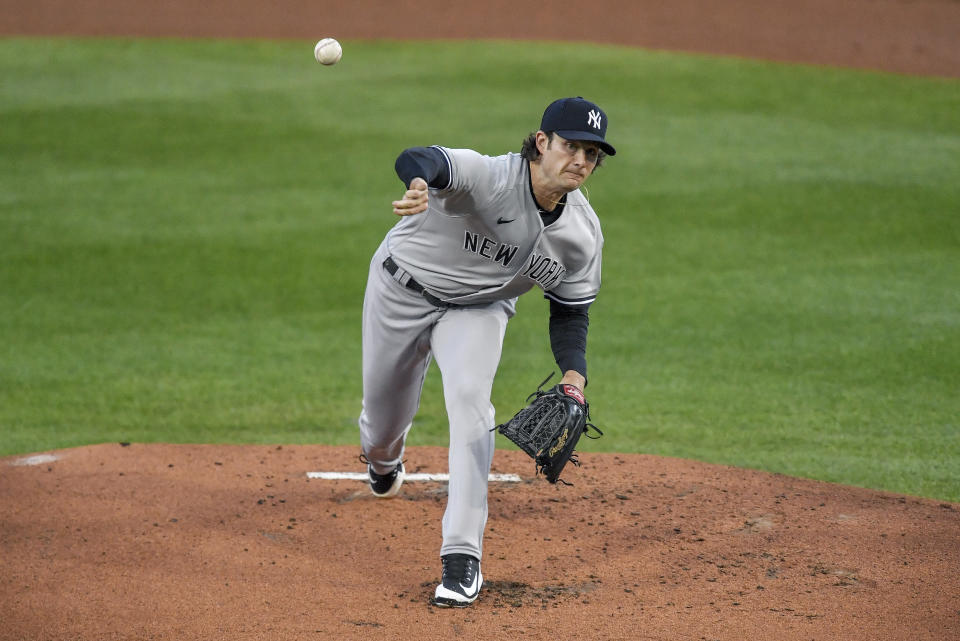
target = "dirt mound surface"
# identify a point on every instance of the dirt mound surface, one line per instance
(202, 542)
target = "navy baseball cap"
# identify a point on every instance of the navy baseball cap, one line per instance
(577, 119)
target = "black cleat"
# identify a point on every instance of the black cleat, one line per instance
(461, 582)
(386, 485)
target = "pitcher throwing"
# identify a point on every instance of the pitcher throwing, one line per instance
(475, 233)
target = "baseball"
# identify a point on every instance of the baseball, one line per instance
(328, 51)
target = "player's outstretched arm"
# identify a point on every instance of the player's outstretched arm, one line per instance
(414, 200)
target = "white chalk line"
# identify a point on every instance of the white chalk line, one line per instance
(38, 459)
(361, 476)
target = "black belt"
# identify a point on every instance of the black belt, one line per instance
(392, 267)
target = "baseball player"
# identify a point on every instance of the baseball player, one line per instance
(475, 233)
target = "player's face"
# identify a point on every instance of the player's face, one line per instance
(567, 163)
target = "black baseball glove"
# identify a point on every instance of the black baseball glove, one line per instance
(549, 427)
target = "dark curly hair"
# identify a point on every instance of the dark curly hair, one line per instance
(529, 149)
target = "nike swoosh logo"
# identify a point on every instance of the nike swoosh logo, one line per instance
(501, 221)
(471, 589)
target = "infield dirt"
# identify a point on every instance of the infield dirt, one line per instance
(236, 542)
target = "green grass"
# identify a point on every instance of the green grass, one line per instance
(185, 228)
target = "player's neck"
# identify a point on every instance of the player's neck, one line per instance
(546, 199)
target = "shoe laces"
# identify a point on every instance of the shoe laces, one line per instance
(458, 568)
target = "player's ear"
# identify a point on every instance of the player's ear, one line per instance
(543, 142)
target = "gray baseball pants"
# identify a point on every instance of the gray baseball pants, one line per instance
(401, 332)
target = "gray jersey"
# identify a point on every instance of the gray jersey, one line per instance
(482, 238)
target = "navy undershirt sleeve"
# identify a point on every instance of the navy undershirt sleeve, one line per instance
(568, 336)
(428, 163)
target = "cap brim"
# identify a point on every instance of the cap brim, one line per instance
(583, 135)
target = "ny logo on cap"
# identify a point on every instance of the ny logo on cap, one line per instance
(593, 118)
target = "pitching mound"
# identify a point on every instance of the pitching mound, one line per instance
(229, 542)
